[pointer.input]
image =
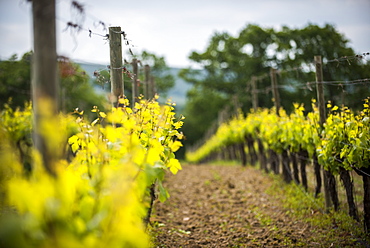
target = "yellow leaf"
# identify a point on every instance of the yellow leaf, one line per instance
(174, 146)
(153, 156)
(138, 105)
(124, 101)
(129, 110)
(174, 165)
(94, 122)
(178, 124)
(180, 135)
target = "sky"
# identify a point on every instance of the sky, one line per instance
(173, 29)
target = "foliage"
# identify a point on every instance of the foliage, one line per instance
(203, 113)
(99, 195)
(75, 91)
(15, 80)
(16, 128)
(344, 141)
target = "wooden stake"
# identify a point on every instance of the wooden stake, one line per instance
(115, 45)
(320, 90)
(152, 87)
(275, 91)
(135, 90)
(147, 81)
(322, 113)
(45, 83)
(254, 93)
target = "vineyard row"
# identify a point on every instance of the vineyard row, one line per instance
(340, 145)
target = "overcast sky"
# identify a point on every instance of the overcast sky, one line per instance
(174, 29)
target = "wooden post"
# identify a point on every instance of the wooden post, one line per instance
(135, 92)
(254, 93)
(147, 80)
(322, 113)
(235, 100)
(152, 87)
(115, 45)
(320, 90)
(275, 90)
(223, 115)
(45, 83)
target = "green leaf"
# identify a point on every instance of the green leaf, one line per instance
(163, 193)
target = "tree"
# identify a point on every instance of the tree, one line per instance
(198, 112)
(159, 69)
(299, 46)
(76, 91)
(15, 80)
(230, 62)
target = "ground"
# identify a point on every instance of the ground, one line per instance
(234, 206)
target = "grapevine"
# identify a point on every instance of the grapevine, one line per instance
(100, 194)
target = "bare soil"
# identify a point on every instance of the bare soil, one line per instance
(227, 206)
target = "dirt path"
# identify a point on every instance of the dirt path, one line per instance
(225, 206)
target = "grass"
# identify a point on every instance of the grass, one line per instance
(332, 227)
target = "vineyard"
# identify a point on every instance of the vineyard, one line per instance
(111, 171)
(110, 175)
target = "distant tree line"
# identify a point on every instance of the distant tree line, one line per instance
(76, 91)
